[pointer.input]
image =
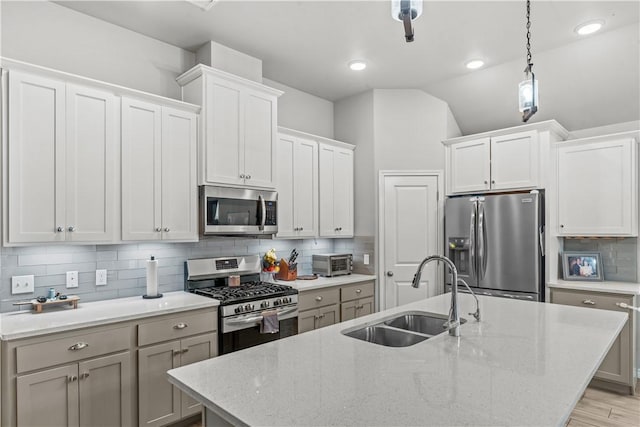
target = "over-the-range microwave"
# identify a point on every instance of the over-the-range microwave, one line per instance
(238, 211)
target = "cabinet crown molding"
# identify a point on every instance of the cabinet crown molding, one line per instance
(317, 138)
(634, 134)
(548, 125)
(9, 64)
(200, 70)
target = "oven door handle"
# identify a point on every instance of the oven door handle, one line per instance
(281, 315)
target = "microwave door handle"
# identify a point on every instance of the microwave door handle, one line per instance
(263, 212)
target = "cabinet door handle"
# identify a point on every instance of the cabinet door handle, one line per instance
(242, 175)
(59, 229)
(486, 182)
(84, 376)
(166, 229)
(318, 298)
(301, 228)
(73, 378)
(180, 325)
(72, 228)
(158, 229)
(589, 302)
(78, 346)
(248, 176)
(561, 225)
(176, 353)
(493, 181)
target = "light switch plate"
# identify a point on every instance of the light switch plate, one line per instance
(101, 277)
(366, 259)
(72, 279)
(22, 284)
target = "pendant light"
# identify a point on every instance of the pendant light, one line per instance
(406, 11)
(528, 88)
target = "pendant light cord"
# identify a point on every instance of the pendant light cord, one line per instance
(529, 64)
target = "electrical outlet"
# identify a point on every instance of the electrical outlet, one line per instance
(72, 279)
(22, 284)
(101, 277)
(366, 259)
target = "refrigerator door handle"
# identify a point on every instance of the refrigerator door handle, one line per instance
(541, 239)
(472, 238)
(482, 243)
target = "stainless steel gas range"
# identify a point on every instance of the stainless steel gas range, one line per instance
(245, 308)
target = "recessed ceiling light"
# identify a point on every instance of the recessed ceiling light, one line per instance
(589, 27)
(474, 64)
(357, 65)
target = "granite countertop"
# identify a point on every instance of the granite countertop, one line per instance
(23, 324)
(525, 363)
(615, 287)
(323, 282)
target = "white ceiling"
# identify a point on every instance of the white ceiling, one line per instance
(307, 45)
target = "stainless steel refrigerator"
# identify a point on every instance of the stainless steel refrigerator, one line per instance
(496, 243)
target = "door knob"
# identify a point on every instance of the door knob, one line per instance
(390, 273)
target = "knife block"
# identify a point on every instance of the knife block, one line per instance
(286, 274)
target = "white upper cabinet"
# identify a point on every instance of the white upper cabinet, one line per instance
(62, 161)
(598, 186)
(297, 186)
(159, 191)
(336, 191)
(239, 127)
(509, 159)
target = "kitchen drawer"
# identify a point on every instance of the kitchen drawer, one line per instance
(173, 327)
(318, 298)
(71, 349)
(590, 299)
(357, 290)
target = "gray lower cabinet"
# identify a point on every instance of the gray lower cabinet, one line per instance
(168, 342)
(91, 392)
(356, 300)
(318, 308)
(618, 366)
(160, 402)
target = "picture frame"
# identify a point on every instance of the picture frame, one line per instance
(583, 266)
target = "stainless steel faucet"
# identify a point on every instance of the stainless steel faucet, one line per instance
(453, 323)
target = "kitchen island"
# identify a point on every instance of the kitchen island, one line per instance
(524, 363)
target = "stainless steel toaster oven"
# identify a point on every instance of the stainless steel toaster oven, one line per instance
(332, 264)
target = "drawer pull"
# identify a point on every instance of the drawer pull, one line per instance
(184, 350)
(84, 375)
(359, 307)
(358, 291)
(73, 378)
(589, 302)
(318, 298)
(180, 325)
(78, 346)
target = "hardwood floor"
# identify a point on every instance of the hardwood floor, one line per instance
(603, 408)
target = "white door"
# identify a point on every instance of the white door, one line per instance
(470, 166)
(92, 138)
(259, 146)
(141, 168)
(306, 188)
(285, 176)
(410, 221)
(179, 189)
(36, 159)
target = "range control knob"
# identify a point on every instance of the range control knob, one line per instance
(238, 309)
(247, 307)
(264, 304)
(277, 302)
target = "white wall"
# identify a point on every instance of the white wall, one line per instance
(302, 111)
(410, 126)
(354, 124)
(50, 35)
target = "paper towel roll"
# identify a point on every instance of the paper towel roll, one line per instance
(152, 277)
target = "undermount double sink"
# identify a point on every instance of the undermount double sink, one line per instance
(402, 330)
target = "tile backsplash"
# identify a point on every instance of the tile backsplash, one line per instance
(619, 256)
(126, 264)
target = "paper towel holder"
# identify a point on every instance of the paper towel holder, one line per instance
(155, 278)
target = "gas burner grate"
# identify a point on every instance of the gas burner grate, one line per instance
(245, 292)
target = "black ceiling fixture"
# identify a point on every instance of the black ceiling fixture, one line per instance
(406, 11)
